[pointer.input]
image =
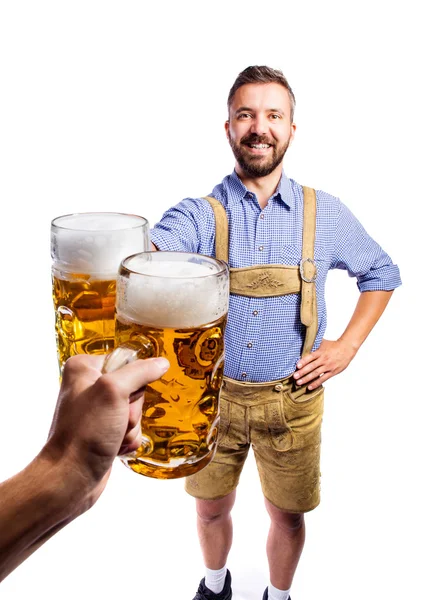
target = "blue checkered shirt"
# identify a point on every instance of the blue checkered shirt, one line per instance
(264, 336)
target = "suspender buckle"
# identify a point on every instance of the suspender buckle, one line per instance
(313, 263)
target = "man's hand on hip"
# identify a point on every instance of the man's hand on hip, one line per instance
(331, 358)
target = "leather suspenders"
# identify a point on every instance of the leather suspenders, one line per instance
(263, 281)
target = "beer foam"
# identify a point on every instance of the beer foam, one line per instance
(96, 243)
(173, 294)
(148, 265)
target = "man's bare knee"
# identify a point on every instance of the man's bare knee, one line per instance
(213, 510)
(285, 520)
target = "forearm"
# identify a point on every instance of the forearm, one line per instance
(369, 309)
(95, 416)
(34, 505)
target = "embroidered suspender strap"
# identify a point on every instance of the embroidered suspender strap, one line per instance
(221, 229)
(308, 310)
(265, 281)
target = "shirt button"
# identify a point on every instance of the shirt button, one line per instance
(249, 345)
(255, 313)
(260, 248)
(243, 374)
(262, 216)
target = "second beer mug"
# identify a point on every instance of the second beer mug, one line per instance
(174, 304)
(87, 249)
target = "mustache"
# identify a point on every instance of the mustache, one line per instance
(253, 138)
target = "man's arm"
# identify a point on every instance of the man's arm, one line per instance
(97, 417)
(332, 357)
(188, 226)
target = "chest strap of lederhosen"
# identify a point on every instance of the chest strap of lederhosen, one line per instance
(276, 280)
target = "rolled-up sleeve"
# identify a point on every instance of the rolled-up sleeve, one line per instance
(360, 255)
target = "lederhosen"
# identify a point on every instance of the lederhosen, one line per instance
(261, 415)
(261, 281)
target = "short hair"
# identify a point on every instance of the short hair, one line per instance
(261, 74)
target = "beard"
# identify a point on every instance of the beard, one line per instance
(257, 166)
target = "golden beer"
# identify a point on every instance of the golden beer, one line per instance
(85, 314)
(87, 249)
(174, 304)
(180, 411)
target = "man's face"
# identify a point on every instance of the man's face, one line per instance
(259, 128)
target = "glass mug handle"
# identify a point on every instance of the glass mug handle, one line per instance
(139, 347)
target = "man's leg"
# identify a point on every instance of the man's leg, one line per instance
(215, 530)
(288, 457)
(284, 545)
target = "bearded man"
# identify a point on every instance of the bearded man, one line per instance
(280, 240)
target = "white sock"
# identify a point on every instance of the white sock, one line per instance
(275, 594)
(215, 580)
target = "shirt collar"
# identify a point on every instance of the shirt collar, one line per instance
(236, 190)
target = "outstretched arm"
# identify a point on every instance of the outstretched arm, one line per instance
(332, 357)
(97, 417)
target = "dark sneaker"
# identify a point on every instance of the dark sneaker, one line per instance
(265, 595)
(205, 593)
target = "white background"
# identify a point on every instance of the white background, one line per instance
(120, 106)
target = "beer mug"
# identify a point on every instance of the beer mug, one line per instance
(87, 249)
(174, 304)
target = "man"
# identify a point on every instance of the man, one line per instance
(276, 357)
(97, 417)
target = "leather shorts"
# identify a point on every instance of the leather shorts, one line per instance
(282, 423)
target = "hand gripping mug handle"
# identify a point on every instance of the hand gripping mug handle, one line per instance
(127, 353)
(139, 347)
